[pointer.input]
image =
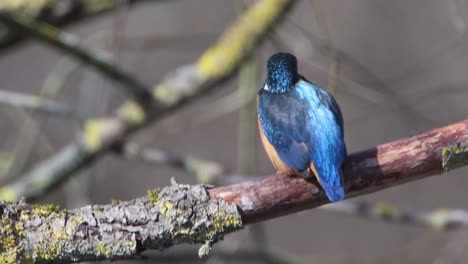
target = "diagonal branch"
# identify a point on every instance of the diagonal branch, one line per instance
(196, 214)
(70, 45)
(102, 135)
(36, 103)
(439, 219)
(56, 12)
(433, 152)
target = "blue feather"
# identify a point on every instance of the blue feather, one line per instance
(305, 126)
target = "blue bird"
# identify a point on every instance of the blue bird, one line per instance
(301, 126)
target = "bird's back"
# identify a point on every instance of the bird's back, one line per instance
(305, 127)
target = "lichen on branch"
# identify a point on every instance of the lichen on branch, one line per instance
(174, 215)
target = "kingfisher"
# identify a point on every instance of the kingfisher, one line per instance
(301, 126)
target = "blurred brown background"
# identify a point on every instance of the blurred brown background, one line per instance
(404, 71)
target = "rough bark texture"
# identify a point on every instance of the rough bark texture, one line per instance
(433, 152)
(175, 215)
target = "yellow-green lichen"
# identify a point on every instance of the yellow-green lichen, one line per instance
(8, 194)
(10, 235)
(222, 222)
(25, 5)
(385, 210)
(104, 250)
(132, 113)
(94, 6)
(238, 38)
(454, 157)
(165, 209)
(439, 219)
(204, 250)
(46, 209)
(165, 94)
(6, 160)
(50, 249)
(153, 195)
(93, 133)
(72, 224)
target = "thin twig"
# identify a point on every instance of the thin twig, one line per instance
(32, 128)
(440, 219)
(70, 45)
(56, 12)
(206, 172)
(36, 103)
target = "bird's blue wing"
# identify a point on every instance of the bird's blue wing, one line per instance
(283, 119)
(327, 149)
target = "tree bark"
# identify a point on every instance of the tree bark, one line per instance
(175, 215)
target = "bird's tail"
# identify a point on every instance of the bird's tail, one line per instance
(331, 183)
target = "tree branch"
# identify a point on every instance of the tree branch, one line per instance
(175, 215)
(70, 44)
(36, 103)
(205, 171)
(439, 219)
(102, 135)
(196, 214)
(55, 12)
(433, 152)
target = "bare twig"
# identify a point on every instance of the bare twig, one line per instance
(36, 103)
(70, 44)
(440, 219)
(32, 128)
(274, 256)
(247, 118)
(100, 136)
(56, 12)
(206, 172)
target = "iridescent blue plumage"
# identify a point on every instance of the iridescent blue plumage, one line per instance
(302, 124)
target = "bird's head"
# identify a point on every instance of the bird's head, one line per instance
(281, 73)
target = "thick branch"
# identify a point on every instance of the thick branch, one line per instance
(434, 152)
(195, 214)
(175, 215)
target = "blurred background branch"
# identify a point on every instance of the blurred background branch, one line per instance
(55, 12)
(186, 82)
(204, 171)
(36, 103)
(70, 45)
(439, 219)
